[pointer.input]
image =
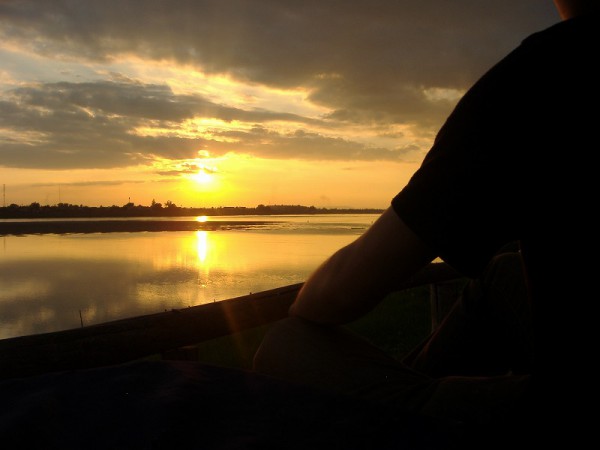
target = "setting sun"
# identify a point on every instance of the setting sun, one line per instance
(202, 177)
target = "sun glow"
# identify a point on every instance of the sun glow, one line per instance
(202, 177)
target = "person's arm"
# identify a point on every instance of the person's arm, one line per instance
(355, 278)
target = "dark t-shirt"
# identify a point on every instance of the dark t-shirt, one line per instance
(515, 161)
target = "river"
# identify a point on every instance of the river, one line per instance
(51, 282)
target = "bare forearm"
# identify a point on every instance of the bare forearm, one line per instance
(334, 293)
(354, 279)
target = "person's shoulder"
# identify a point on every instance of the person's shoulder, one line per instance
(584, 28)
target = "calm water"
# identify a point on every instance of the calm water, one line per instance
(53, 282)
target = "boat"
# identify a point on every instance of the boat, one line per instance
(137, 337)
(98, 387)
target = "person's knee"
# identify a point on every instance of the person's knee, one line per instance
(279, 342)
(267, 346)
(503, 281)
(505, 267)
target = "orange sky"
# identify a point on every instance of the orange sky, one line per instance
(236, 103)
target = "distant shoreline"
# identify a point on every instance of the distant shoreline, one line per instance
(68, 211)
(17, 228)
(130, 224)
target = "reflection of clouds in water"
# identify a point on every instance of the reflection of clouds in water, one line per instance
(102, 290)
(47, 295)
(106, 290)
(46, 280)
(174, 275)
(20, 288)
(184, 287)
(23, 324)
(166, 289)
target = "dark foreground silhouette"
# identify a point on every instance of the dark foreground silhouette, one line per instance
(175, 405)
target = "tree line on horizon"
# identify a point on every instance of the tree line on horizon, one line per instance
(68, 210)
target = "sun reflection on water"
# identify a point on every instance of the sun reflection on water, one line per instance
(202, 245)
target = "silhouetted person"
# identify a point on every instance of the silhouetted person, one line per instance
(511, 163)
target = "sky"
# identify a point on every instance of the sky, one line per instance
(208, 103)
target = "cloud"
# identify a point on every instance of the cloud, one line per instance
(302, 144)
(93, 183)
(367, 64)
(93, 124)
(185, 168)
(285, 42)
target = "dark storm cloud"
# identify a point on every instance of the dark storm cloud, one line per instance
(369, 62)
(287, 42)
